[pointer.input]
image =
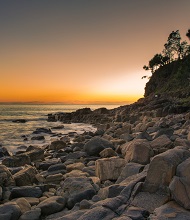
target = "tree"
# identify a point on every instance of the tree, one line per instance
(173, 45)
(173, 48)
(188, 34)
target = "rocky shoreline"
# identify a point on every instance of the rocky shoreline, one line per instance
(135, 166)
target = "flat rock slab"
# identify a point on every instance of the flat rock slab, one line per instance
(170, 211)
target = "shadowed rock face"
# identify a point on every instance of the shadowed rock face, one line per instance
(163, 167)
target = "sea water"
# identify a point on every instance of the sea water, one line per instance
(14, 136)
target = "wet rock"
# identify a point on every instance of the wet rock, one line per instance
(38, 138)
(137, 151)
(96, 145)
(26, 176)
(19, 121)
(42, 130)
(109, 168)
(52, 205)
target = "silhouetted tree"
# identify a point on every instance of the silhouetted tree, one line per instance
(173, 48)
(188, 34)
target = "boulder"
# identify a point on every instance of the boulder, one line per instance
(129, 170)
(10, 211)
(57, 145)
(150, 201)
(6, 178)
(55, 178)
(16, 161)
(33, 214)
(137, 151)
(44, 165)
(135, 213)
(161, 143)
(170, 211)
(96, 145)
(52, 205)
(75, 166)
(108, 152)
(38, 138)
(163, 167)
(26, 176)
(76, 189)
(35, 154)
(4, 152)
(109, 168)
(42, 130)
(98, 213)
(180, 185)
(26, 191)
(23, 204)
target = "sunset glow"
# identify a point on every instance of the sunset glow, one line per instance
(82, 51)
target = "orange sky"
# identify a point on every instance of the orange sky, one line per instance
(82, 51)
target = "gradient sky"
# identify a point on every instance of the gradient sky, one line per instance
(82, 51)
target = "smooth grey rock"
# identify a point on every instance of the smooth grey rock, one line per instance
(10, 211)
(26, 191)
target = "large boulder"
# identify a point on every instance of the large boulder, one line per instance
(10, 211)
(96, 145)
(163, 167)
(26, 176)
(52, 205)
(180, 185)
(109, 168)
(137, 151)
(6, 178)
(75, 189)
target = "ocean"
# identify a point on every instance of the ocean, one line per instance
(15, 136)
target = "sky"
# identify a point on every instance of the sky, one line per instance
(82, 51)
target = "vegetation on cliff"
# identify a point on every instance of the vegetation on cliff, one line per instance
(172, 77)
